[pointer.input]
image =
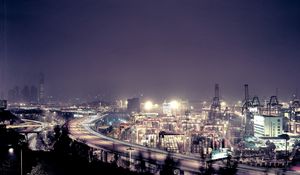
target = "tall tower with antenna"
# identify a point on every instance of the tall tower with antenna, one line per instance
(216, 100)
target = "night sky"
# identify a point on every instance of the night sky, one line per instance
(157, 48)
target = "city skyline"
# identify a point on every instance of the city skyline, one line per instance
(142, 87)
(159, 49)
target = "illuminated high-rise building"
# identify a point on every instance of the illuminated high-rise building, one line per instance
(41, 95)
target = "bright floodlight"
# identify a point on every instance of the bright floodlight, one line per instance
(223, 104)
(174, 104)
(148, 105)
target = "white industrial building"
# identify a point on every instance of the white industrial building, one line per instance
(267, 126)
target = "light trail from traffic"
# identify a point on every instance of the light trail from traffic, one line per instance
(80, 129)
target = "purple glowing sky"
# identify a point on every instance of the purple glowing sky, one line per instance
(158, 48)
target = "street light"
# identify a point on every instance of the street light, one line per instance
(286, 137)
(21, 162)
(129, 149)
(11, 152)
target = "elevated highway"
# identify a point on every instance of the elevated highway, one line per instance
(80, 129)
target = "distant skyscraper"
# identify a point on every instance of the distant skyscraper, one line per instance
(11, 95)
(14, 94)
(41, 95)
(33, 94)
(25, 94)
(133, 105)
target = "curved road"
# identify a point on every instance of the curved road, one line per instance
(80, 130)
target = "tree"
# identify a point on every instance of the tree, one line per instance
(57, 132)
(115, 159)
(62, 145)
(169, 166)
(271, 147)
(38, 170)
(141, 166)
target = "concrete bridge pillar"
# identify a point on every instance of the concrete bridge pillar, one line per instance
(104, 156)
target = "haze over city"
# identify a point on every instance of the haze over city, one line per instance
(160, 49)
(149, 87)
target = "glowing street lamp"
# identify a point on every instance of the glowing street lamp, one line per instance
(148, 105)
(130, 150)
(11, 151)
